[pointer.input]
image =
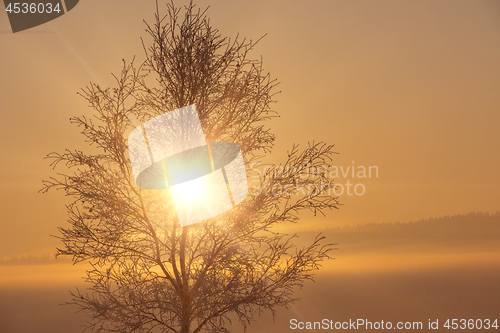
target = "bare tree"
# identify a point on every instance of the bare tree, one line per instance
(149, 274)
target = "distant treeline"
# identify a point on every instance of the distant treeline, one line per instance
(32, 260)
(474, 230)
(471, 232)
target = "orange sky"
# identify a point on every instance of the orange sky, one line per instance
(410, 87)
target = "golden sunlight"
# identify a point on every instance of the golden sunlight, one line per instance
(191, 192)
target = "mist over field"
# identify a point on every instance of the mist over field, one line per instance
(430, 269)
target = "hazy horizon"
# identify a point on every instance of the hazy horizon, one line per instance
(444, 276)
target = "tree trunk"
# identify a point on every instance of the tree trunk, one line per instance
(185, 292)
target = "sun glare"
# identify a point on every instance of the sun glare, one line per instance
(201, 198)
(191, 191)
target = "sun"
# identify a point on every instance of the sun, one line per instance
(190, 192)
